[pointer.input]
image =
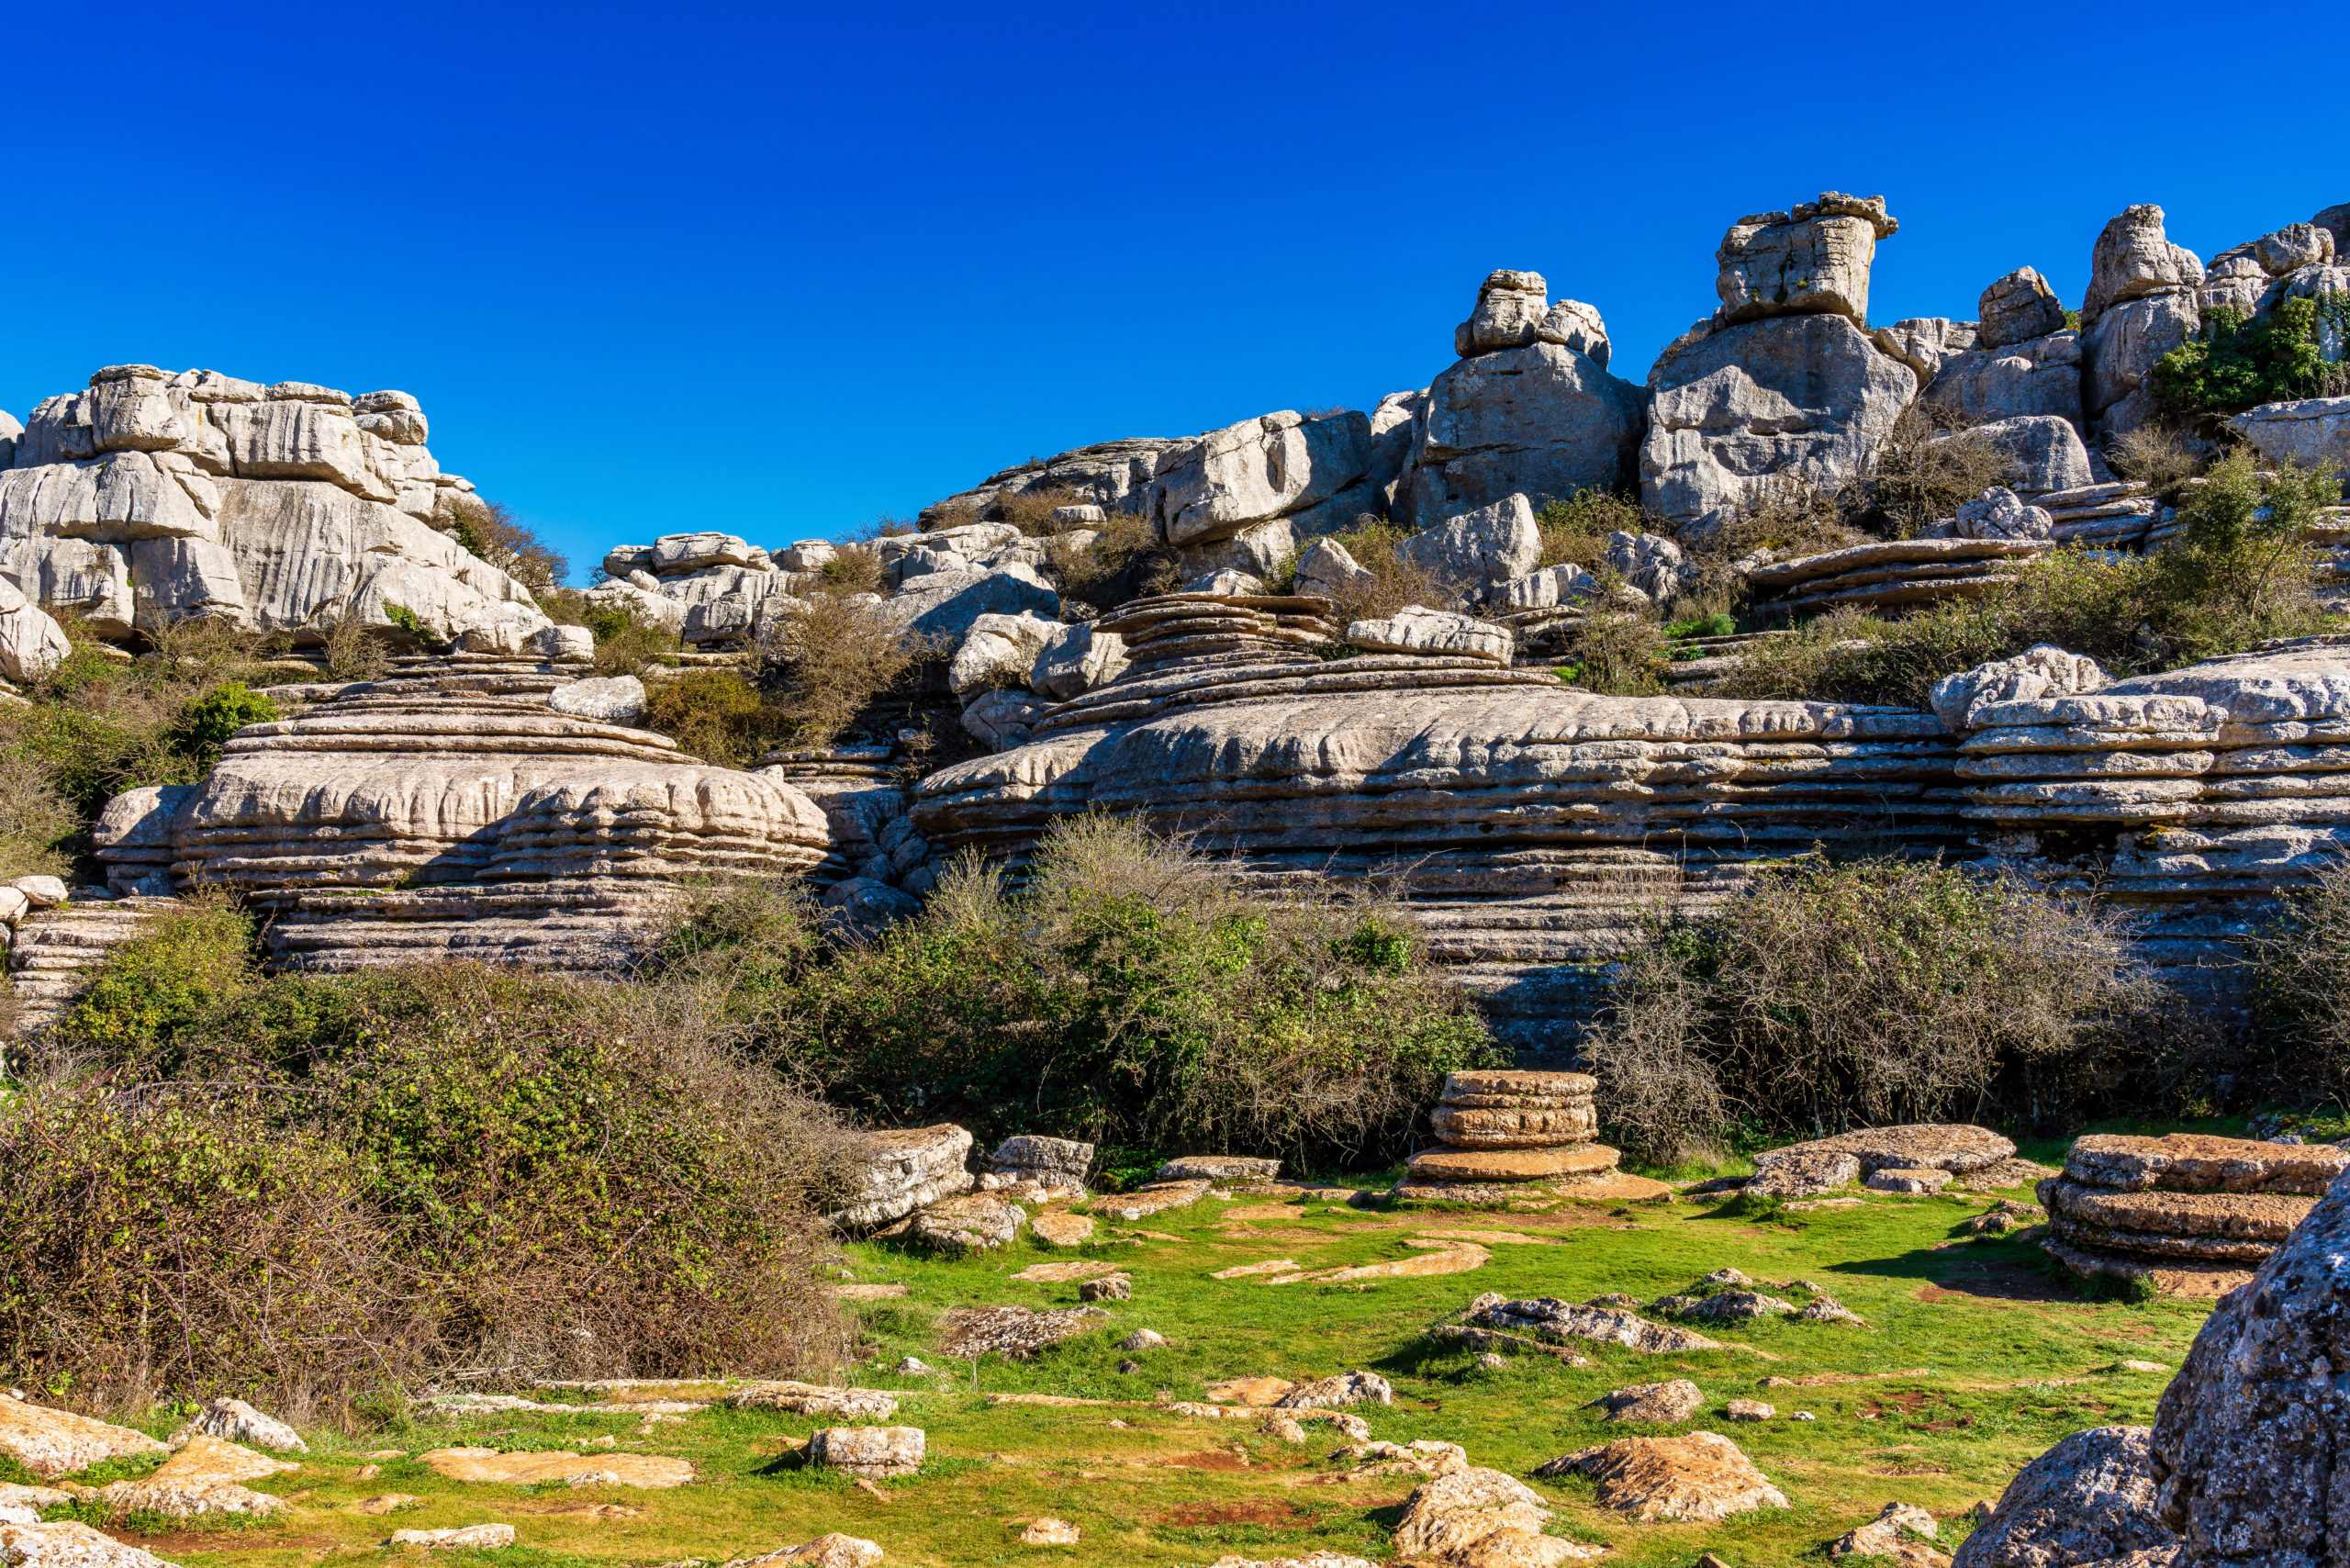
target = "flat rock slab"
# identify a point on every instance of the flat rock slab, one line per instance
(1270, 1266)
(2239, 1216)
(973, 1222)
(2184, 1278)
(1061, 1229)
(1219, 1168)
(2001, 1176)
(1513, 1165)
(1456, 1258)
(1660, 1404)
(1014, 1331)
(868, 1451)
(1061, 1273)
(1258, 1392)
(1157, 1198)
(858, 1291)
(1894, 552)
(815, 1399)
(656, 1470)
(1693, 1479)
(1803, 1172)
(1513, 1083)
(1929, 1146)
(2196, 1162)
(1546, 1318)
(52, 1443)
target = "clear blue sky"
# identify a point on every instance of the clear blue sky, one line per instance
(775, 270)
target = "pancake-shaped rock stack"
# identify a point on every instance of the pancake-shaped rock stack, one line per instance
(2196, 1215)
(1519, 1138)
(454, 808)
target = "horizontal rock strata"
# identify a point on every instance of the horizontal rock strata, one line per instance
(2191, 1213)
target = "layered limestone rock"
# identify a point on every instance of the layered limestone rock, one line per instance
(2309, 431)
(2141, 304)
(1519, 1137)
(2192, 1214)
(1113, 474)
(1899, 572)
(1271, 481)
(901, 1170)
(1530, 409)
(153, 497)
(2191, 799)
(706, 587)
(1815, 259)
(1527, 822)
(52, 951)
(449, 807)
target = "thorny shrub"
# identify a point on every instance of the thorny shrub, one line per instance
(2299, 1001)
(315, 1191)
(1394, 582)
(1827, 996)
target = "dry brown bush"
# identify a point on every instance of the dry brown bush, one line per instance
(1394, 581)
(2301, 1003)
(1833, 996)
(1618, 652)
(1576, 530)
(1126, 560)
(823, 664)
(1031, 511)
(2153, 454)
(855, 568)
(1919, 474)
(501, 539)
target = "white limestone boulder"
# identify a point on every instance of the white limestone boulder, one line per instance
(1479, 550)
(1415, 628)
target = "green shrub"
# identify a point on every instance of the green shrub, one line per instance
(1617, 652)
(415, 625)
(206, 724)
(1130, 993)
(715, 715)
(2237, 362)
(315, 1191)
(501, 539)
(1831, 996)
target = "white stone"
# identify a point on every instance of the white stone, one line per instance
(1000, 650)
(617, 699)
(1479, 550)
(1415, 628)
(1077, 659)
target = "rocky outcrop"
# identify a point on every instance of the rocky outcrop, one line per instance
(2089, 1499)
(2017, 308)
(1113, 474)
(2247, 1450)
(901, 1170)
(2034, 376)
(2192, 798)
(1525, 820)
(1693, 1479)
(2191, 1214)
(1530, 409)
(2309, 431)
(53, 950)
(1805, 397)
(1896, 573)
(449, 807)
(1815, 259)
(152, 497)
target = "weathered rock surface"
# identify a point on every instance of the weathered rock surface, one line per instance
(905, 1170)
(2038, 376)
(1896, 572)
(1919, 1146)
(1797, 397)
(2017, 307)
(1661, 1404)
(2247, 1444)
(1481, 549)
(1814, 260)
(237, 1422)
(203, 1478)
(1280, 466)
(1481, 1518)
(1547, 1318)
(833, 1550)
(872, 1452)
(2133, 259)
(1695, 1479)
(2192, 1214)
(2309, 431)
(2089, 1498)
(815, 1399)
(69, 1544)
(1415, 628)
(657, 1472)
(52, 1443)
(1542, 419)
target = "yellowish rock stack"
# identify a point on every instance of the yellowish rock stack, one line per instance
(1520, 1139)
(2192, 1214)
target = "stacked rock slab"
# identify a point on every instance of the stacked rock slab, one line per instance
(2193, 798)
(2192, 1214)
(1527, 823)
(1967, 1157)
(902, 1169)
(2189, 1212)
(1518, 1137)
(1906, 572)
(449, 809)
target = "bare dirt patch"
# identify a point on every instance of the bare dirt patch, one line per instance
(1262, 1511)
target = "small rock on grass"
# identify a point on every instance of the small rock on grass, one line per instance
(385, 1503)
(1491, 1360)
(1751, 1410)
(1114, 1287)
(1050, 1532)
(1284, 1428)
(909, 1367)
(833, 1551)
(70, 1544)
(1663, 1403)
(1337, 1392)
(1142, 1340)
(868, 1451)
(1128, 1368)
(1886, 1535)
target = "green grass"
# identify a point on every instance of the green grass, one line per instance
(2013, 1358)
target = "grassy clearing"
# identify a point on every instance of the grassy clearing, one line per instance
(2011, 1360)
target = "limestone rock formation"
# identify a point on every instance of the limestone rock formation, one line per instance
(1515, 1136)
(2309, 430)
(1804, 396)
(2045, 452)
(1056, 1162)
(152, 497)
(2247, 1444)
(1814, 260)
(2089, 1499)
(2016, 309)
(52, 1443)
(1997, 513)
(1524, 820)
(2034, 375)
(1113, 474)
(1529, 409)
(51, 951)
(448, 808)
(1659, 1404)
(1693, 1479)
(2194, 796)
(2134, 259)
(1478, 549)
(1926, 344)
(1281, 468)
(1480, 1519)
(902, 1170)
(2192, 1214)
(1415, 628)
(1897, 572)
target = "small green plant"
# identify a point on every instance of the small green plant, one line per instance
(2237, 362)
(412, 623)
(207, 723)
(1718, 624)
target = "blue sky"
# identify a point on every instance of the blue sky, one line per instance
(776, 270)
